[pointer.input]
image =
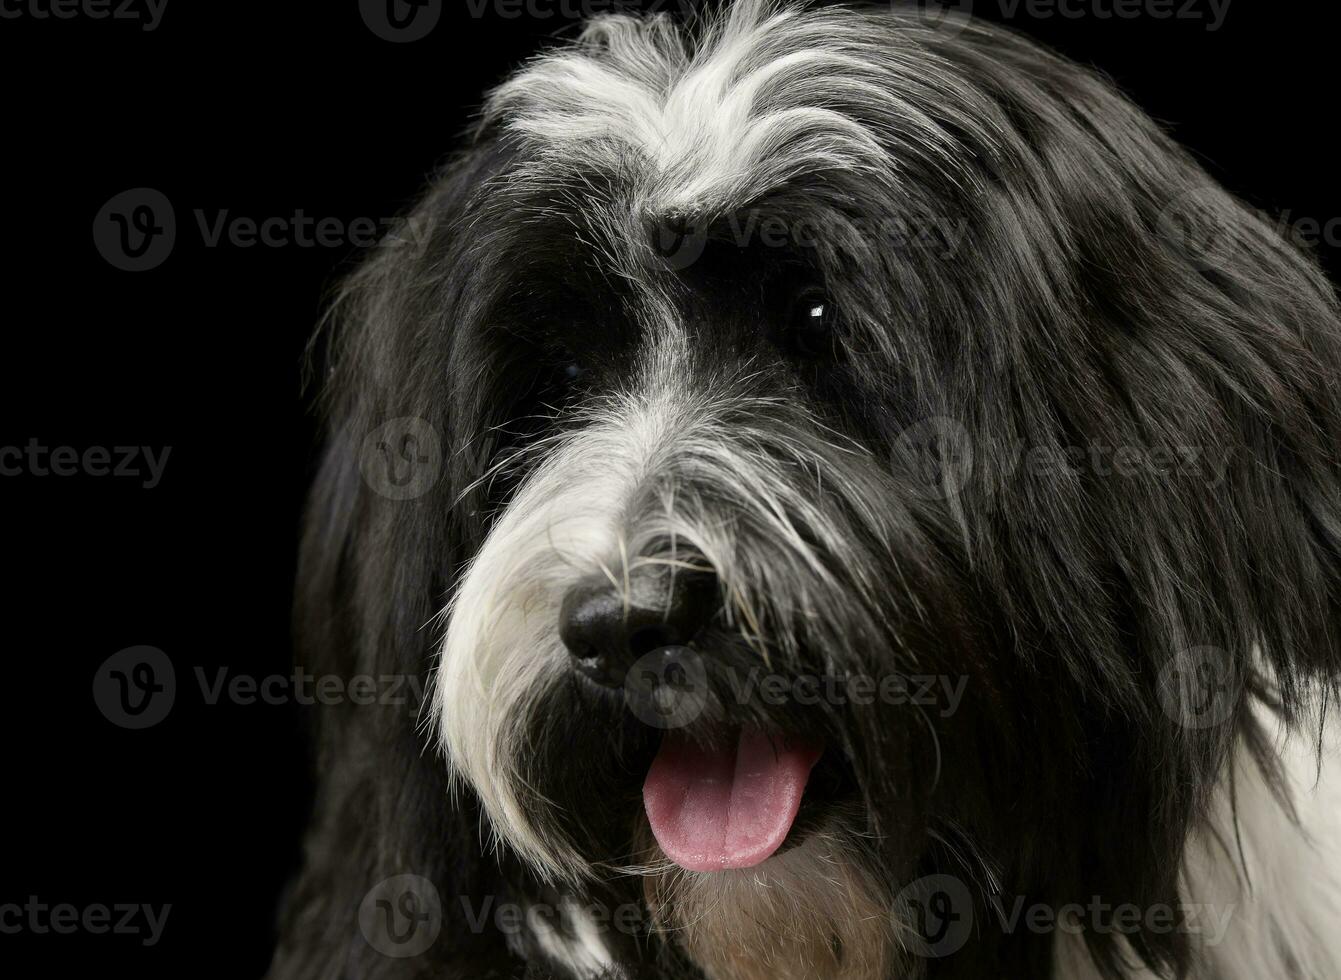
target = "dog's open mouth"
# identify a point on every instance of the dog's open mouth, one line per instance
(728, 805)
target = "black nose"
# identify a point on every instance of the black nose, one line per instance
(606, 629)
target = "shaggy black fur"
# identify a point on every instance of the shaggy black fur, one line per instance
(1105, 292)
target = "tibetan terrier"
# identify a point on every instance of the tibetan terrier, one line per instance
(848, 498)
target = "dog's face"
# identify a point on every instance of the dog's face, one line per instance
(704, 353)
(782, 372)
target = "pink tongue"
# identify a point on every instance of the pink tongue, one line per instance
(731, 807)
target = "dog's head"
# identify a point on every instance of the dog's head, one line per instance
(872, 449)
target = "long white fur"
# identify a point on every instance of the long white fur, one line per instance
(750, 107)
(502, 645)
(580, 948)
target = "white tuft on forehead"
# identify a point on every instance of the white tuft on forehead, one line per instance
(714, 118)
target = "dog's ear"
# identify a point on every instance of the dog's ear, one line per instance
(385, 366)
(1253, 329)
(1148, 374)
(377, 554)
(1119, 299)
(1228, 337)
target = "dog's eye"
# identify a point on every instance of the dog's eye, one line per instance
(810, 328)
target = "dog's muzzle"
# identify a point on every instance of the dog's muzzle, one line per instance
(608, 625)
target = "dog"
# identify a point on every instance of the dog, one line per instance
(859, 502)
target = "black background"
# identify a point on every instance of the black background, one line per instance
(260, 110)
